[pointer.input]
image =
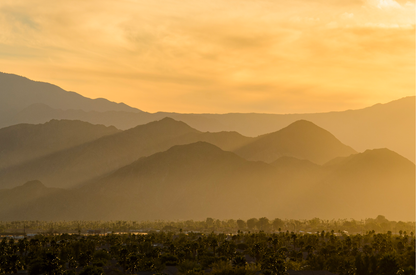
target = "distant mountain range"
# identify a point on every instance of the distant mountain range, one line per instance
(390, 125)
(163, 168)
(27, 142)
(18, 93)
(92, 159)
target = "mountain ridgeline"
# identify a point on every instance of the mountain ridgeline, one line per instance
(26, 142)
(168, 170)
(18, 92)
(302, 139)
(390, 125)
(88, 161)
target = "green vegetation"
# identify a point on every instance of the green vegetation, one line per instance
(257, 245)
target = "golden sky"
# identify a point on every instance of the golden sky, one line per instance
(216, 56)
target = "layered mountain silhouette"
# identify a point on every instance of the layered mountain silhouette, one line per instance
(191, 166)
(197, 180)
(376, 181)
(24, 142)
(390, 125)
(85, 162)
(41, 113)
(33, 199)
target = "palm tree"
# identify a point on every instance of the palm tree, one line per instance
(214, 244)
(294, 236)
(52, 264)
(194, 247)
(275, 242)
(309, 249)
(13, 263)
(133, 262)
(257, 249)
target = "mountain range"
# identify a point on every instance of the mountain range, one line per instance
(198, 180)
(79, 164)
(102, 166)
(25, 142)
(168, 170)
(390, 125)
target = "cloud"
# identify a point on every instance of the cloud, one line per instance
(237, 52)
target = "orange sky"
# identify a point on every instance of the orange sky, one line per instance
(217, 56)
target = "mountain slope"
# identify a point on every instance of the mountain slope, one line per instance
(376, 181)
(301, 139)
(187, 180)
(390, 125)
(228, 141)
(18, 92)
(93, 159)
(191, 181)
(32, 199)
(24, 142)
(199, 180)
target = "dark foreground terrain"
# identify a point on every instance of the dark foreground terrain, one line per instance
(174, 250)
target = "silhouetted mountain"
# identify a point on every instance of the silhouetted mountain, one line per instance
(228, 141)
(193, 180)
(96, 158)
(162, 170)
(90, 160)
(77, 164)
(183, 181)
(390, 125)
(18, 92)
(24, 142)
(198, 180)
(41, 113)
(376, 181)
(301, 139)
(24, 201)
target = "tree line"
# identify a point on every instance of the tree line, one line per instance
(379, 224)
(193, 253)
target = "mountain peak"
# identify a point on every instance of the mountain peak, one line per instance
(302, 122)
(34, 184)
(301, 139)
(169, 120)
(199, 145)
(381, 157)
(383, 153)
(196, 150)
(304, 125)
(164, 124)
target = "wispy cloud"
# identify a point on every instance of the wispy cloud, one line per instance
(216, 56)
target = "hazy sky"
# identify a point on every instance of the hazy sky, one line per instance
(219, 56)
